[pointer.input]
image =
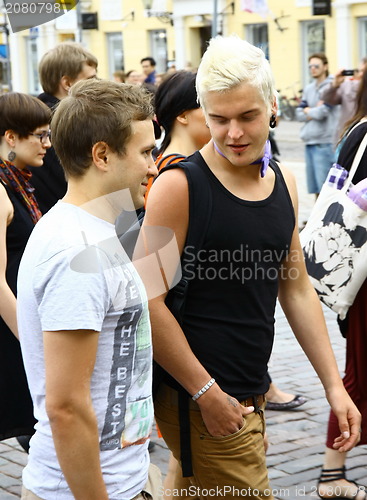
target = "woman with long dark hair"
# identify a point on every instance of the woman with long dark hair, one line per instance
(24, 140)
(333, 482)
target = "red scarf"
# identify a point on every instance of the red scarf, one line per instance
(18, 181)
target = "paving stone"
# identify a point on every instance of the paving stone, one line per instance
(301, 464)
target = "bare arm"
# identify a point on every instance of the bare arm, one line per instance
(304, 313)
(168, 206)
(7, 298)
(69, 361)
(332, 93)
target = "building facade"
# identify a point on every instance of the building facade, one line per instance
(175, 32)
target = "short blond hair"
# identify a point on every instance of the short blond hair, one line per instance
(96, 111)
(66, 59)
(230, 61)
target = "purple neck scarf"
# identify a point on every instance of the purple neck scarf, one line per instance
(264, 160)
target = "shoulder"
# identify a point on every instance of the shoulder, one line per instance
(287, 174)
(290, 182)
(168, 191)
(6, 206)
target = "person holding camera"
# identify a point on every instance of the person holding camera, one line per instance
(343, 90)
(319, 123)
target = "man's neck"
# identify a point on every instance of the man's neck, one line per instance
(320, 79)
(106, 206)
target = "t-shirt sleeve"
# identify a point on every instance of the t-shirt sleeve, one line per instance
(72, 296)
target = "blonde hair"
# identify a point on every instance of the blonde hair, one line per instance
(66, 59)
(229, 62)
(96, 111)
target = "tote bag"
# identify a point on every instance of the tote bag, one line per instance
(334, 244)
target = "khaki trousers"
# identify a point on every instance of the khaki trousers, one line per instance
(152, 490)
(232, 466)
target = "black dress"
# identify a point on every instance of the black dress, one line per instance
(16, 408)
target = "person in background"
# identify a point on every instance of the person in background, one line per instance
(59, 69)
(181, 117)
(333, 482)
(220, 354)
(119, 76)
(24, 141)
(343, 90)
(318, 124)
(83, 314)
(159, 77)
(148, 65)
(134, 77)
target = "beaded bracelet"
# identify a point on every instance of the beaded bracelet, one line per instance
(203, 389)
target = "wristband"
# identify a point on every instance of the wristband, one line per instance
(203, 389)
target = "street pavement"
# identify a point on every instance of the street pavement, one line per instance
(296, 437)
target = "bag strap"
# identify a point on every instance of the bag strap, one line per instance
(168, 160)
(355, 164)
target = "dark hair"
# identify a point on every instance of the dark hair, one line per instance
(150, 59)
(176, 94)
(322, 57)
(96, 111)
(361, 103)
(22, 113)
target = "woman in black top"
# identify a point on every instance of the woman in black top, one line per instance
(24, 140)
(333, 482)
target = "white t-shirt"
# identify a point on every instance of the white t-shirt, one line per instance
(75, 275)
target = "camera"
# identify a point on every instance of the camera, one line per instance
(348, 72)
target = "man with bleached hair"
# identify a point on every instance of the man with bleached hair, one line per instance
(250, 256)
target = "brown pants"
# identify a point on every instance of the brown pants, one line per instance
(152, 490)
(232, 466)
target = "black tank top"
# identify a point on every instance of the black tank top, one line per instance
(16, 408)
(229, 313)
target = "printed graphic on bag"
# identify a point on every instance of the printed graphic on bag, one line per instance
(331, 251)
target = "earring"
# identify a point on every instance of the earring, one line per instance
(11, 156)
(273, 121)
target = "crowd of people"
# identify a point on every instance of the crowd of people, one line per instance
(77, 330)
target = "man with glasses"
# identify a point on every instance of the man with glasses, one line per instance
(319, 122)
(343, 91)
(59, 69)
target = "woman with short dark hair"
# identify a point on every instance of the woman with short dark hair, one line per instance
(24, 140)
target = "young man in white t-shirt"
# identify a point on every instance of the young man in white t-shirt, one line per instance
(82, 309)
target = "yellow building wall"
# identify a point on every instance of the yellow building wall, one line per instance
(285, 45)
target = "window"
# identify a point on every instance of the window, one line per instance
(32, 65)
(362, 37)
(257, 34)
(313, 40)
(4, 68)
(115, 52)
(158, 47)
